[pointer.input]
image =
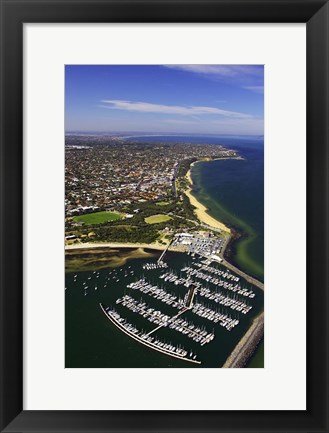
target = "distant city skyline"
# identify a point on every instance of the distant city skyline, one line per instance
(182, 99)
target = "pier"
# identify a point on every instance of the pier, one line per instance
(190, 297)
(187, 328)
(164, 252)
(163, 324)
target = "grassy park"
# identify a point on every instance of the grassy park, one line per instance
(97, 217)
(156, 219)
(163, 203)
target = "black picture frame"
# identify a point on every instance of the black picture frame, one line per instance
(13, 14)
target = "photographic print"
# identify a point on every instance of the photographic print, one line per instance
(164, 216)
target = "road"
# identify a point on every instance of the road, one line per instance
(196, 223)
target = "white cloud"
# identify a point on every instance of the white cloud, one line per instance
(249, 77)
(146, 107)
(257, 89)
(220, 70)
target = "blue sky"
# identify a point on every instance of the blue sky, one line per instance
(213, 99)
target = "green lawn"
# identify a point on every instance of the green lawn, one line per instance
(156, 219)
(97, 217)
(162, 203)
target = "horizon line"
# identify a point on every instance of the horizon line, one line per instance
(148, 133)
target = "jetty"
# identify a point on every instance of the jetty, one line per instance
(190, 296)
(166, 324)
(187, 328)
(160, 259)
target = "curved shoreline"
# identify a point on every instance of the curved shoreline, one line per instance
(238, 238)
(201, 210)
(232, 230)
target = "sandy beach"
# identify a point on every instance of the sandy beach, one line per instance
(87, 257)
(201, 210)
(89, 245)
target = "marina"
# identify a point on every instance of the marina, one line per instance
(186, 311)
(200, 335)
(147, 340)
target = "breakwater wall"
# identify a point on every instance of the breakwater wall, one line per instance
(247, 345)
(247, 277)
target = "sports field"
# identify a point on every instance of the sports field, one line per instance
(162, 203)
(156, 219)
(97, 217)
